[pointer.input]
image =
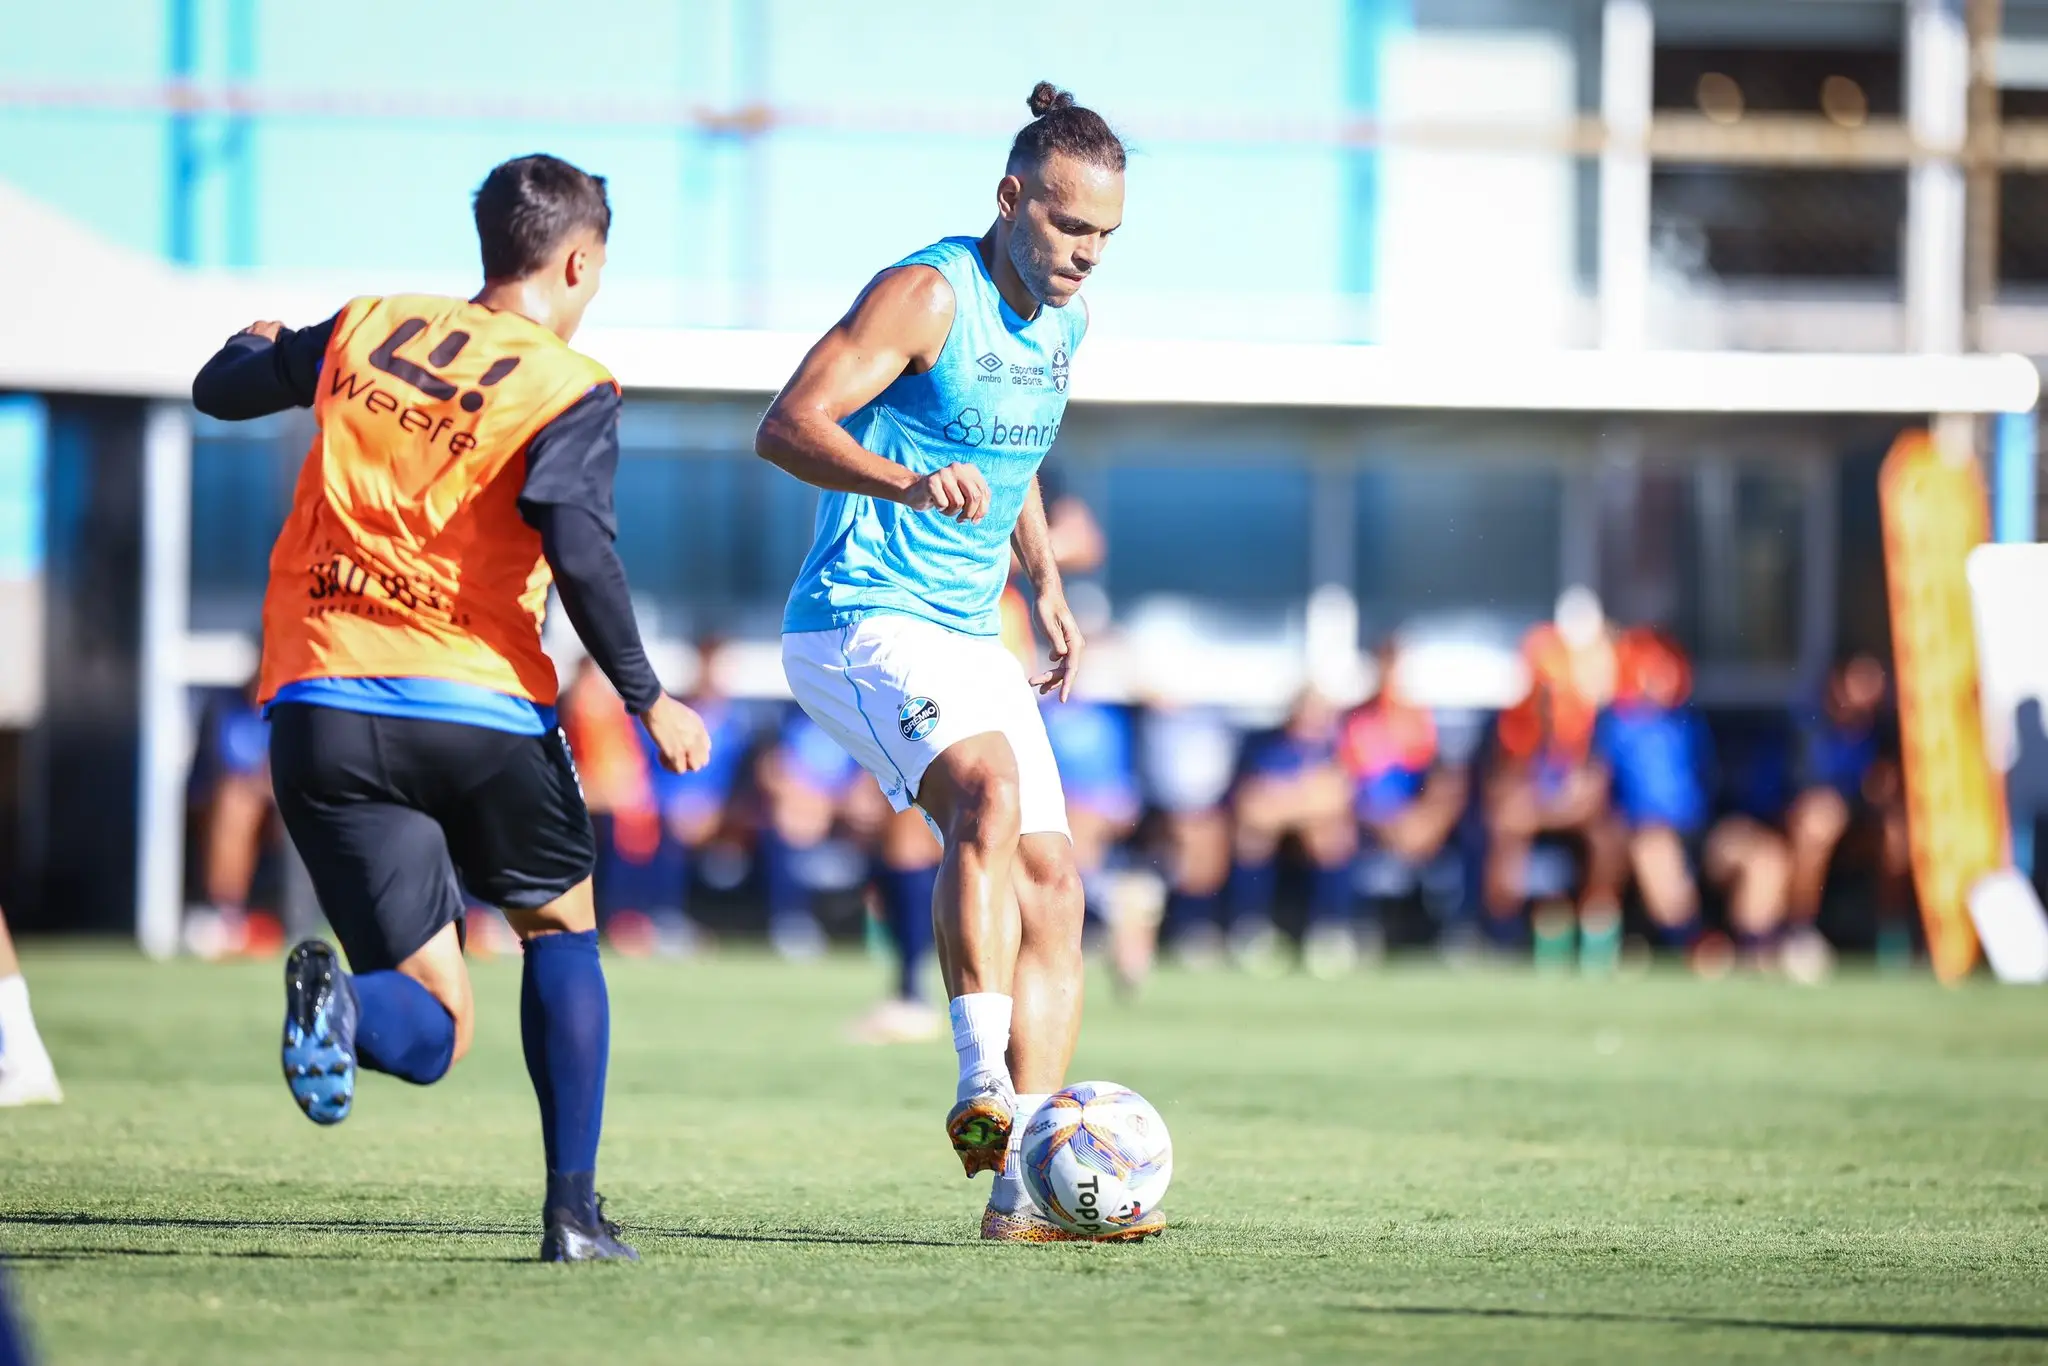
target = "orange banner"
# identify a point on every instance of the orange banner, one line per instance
(1935, 513)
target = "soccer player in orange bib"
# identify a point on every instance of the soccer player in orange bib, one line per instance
(464, 460)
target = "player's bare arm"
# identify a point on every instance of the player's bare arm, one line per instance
(897, 326)
(1032, 543)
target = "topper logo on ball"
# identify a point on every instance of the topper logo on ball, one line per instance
(1086, 1199)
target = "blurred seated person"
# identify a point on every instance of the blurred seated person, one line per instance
(1091, 742)
(903, 874)
(1078, 548)
(1290, 784)
(639, 874)
(1546, 782)
(697, 808)
(235, 820)
(811, 790)
(1661, 757)
(648, 822)
(1187, 756)
(1850, 789)
(1408, 794)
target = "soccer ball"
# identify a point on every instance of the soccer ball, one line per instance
(1097, 1157)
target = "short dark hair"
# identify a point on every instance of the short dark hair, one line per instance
(1058, 125)
(526, 206)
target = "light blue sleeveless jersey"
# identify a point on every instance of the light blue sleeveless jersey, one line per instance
(993, 399)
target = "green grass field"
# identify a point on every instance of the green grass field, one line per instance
(1412, 1166)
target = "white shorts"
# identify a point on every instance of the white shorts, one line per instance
(897, 692)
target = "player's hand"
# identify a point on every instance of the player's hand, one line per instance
(679, 734)
(267, 330)
(959, 491)
(1057, 620)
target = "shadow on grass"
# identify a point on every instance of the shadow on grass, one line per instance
(95, 1254)
(1972, 1332)
(404, 1228)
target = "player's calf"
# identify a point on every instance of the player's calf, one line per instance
(972, 792)
(565, 1028)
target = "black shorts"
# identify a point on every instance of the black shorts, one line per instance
(386, 811)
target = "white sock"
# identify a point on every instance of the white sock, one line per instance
(17, 1025)
(981, 1034)
(1011, 1194)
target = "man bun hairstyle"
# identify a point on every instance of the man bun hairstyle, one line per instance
(526, 206)
(1061, 127)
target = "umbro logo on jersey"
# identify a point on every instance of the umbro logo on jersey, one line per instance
(990, 362)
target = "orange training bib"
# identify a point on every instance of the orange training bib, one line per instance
(404, 555)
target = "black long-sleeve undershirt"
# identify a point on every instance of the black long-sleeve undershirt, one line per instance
(567, 494)
(592, 584)
(251, 376)
(571, 465)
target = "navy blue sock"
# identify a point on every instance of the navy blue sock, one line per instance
(1329, 900)
(1679, 936)
(1252, 889)
(668, 878)
(1759, 941)
(907, 906)
(565, 1024)
(401, 1030)
(1187, 911)
(786, 894)
(1506, 931)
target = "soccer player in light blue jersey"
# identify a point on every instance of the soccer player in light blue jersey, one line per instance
(924, 414)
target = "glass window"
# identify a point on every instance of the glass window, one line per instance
(713, 541)
(1443, 536)
(1238, 537)
(1741, 222)
(1714, 552)
(242, 477)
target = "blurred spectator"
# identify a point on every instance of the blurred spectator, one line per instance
(1291, 785)
(696, 808)
(1849, 783)
(235, 821)
(1186, 758)
(1659, 756)
(648, 822)
(811, 790)
(1546, 783)
(639, 872)
(1409, 795)
(903, 874)
(1091, 741)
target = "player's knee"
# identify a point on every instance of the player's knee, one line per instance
(440, 968)
(1817, 819)
(573, 912)
(1052, 896)
(987, 812)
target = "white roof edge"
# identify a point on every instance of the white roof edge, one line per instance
(1249, 374)
(158, 362)
(60, 337)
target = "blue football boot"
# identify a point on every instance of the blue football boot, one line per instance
(319, 1051)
